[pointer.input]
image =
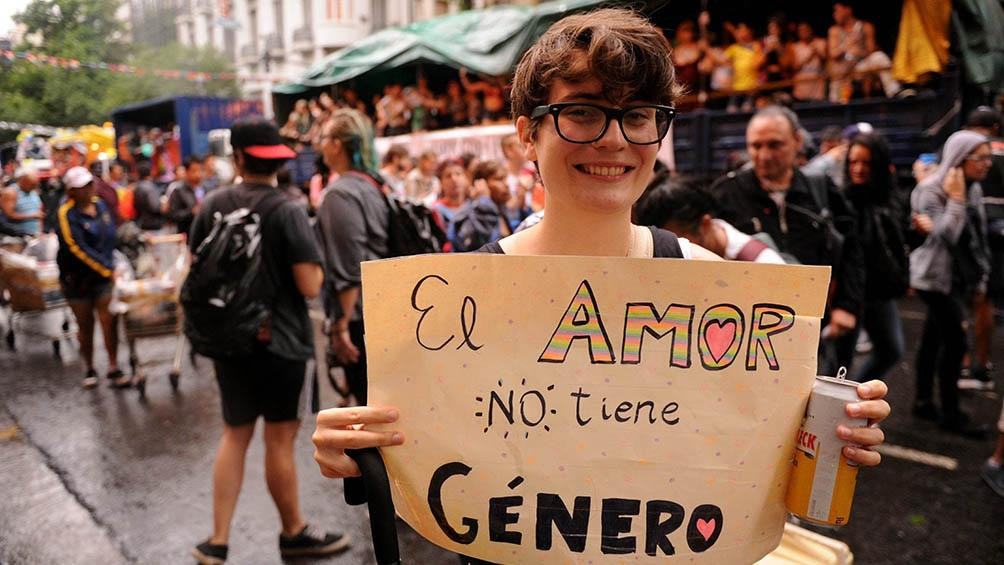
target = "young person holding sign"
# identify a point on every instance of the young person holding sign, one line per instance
(593, 101)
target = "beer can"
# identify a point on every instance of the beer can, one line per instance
(821, 487)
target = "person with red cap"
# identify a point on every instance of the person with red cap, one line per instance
(268, 383)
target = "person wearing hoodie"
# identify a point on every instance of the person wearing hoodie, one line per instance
(949, 268)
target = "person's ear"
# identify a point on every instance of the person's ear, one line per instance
(705, 226)
(523, 130)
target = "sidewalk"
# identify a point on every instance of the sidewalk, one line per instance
(38, 504)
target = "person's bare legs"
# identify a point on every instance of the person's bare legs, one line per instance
(109, 330)
(280, 474)
(228, 474)
(83, 311)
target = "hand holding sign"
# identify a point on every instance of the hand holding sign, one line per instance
(552, 412)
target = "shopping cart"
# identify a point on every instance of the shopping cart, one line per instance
(32, 298)
(149, 305)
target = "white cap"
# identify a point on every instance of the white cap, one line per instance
(77, 177)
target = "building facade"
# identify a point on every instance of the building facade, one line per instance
(152, 21)
(274, 41)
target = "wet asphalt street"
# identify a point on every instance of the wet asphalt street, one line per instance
(101, 477)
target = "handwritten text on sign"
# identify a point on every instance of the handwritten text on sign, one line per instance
(568, 409)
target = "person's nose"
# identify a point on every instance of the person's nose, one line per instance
(613, 138)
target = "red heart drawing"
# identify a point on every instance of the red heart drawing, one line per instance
(719, 335)
(706, 527)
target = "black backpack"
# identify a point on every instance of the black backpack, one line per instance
(411, 227)
(228, 293)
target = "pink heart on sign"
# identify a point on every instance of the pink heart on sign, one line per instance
(706, 527)
(719, 336)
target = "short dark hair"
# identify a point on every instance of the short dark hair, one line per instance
(674, 200)
(257, 166)
(831, 133)
(144, 169)
(622, 49)
(284, 176)
(488, 169)
(446, 164)
(192, 160)
(395, 151)
(985, 117)
(775, 111)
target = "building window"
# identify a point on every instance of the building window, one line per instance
(277, 14)
(253, 26)
(210, 38)
(339, 10)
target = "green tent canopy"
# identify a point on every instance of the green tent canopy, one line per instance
(488, 42)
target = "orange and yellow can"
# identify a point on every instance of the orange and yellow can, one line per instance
(821, 487)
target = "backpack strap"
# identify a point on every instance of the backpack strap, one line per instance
(751, 250)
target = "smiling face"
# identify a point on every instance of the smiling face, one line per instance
(606, 176)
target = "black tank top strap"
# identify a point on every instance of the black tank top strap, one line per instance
(491, 247)
(665, 244)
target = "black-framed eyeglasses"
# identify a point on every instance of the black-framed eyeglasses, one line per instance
(580, 122)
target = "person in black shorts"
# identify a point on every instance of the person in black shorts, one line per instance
(269, 383)
(592, 101)
(86, 234)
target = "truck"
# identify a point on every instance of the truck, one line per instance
(191, 118)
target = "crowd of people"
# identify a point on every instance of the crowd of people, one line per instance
(720, 66)
(591, 149)
(406, 109)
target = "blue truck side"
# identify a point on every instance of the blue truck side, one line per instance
(194, 116)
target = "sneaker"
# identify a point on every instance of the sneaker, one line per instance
(90, 379)
(210, 554)
(993, 475)
(312, 542)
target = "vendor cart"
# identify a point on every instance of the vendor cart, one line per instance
(149, 305)
(32, 299)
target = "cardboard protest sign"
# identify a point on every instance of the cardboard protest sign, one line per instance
(577, 410)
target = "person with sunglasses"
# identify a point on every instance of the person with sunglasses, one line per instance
(592, 101)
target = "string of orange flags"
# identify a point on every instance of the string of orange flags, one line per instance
(177, 74)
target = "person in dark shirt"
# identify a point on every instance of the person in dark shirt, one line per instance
(184, 196)
(353, 222)
(86, 270)
(268, 383)
(989, 122)
(775, 198)
(146, 200)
